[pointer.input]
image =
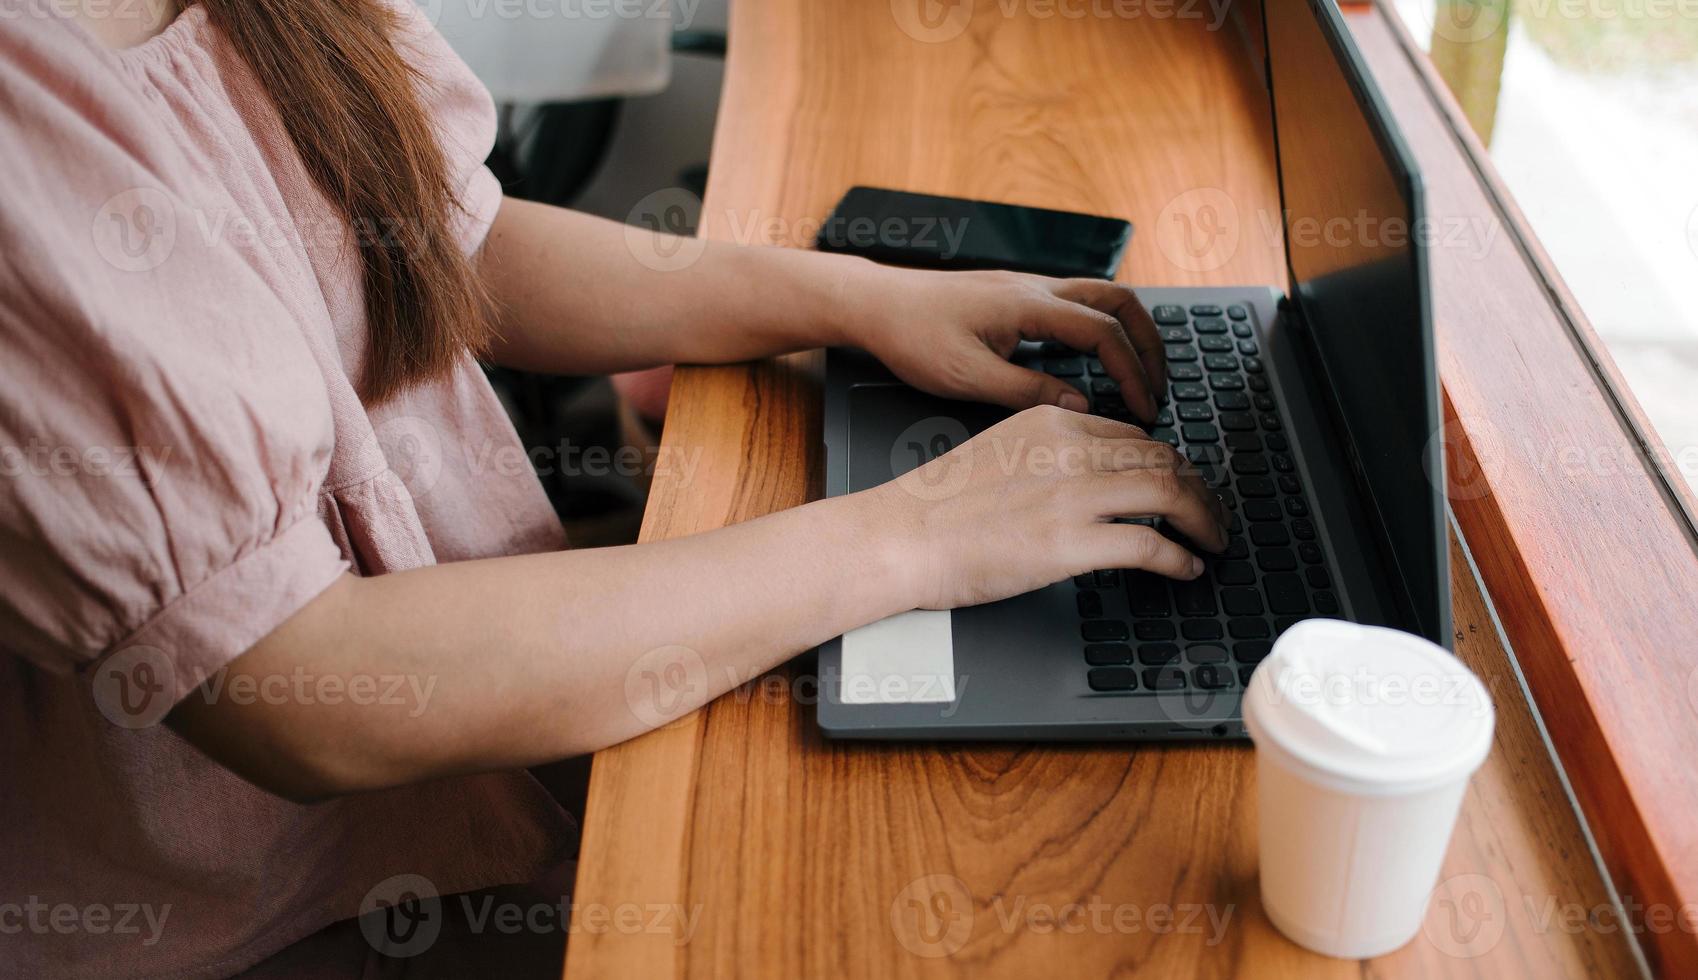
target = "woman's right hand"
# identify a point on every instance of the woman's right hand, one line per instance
(1032, 500)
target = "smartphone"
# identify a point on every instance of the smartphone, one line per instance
(924, 230)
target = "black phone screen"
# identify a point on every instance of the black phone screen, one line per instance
(924, 230)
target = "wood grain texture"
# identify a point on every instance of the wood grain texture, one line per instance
(804, 858)
(1585, 554)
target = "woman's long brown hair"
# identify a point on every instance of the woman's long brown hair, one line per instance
(349, 102)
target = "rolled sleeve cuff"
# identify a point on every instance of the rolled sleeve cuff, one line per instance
(222, 617)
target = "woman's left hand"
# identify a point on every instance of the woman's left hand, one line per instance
(951, 334)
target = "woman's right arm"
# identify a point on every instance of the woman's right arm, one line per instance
(509, 662)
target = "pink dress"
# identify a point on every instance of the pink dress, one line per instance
(184, 463)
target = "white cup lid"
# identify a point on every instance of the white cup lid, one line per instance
(1368, 710)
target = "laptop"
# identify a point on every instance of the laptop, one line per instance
(1314, 415)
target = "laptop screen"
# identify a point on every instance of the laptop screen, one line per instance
(1353, 243)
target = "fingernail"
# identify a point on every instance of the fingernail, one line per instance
(1072, 401)
(1196, 566)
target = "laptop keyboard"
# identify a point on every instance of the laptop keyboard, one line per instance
(1141, 632)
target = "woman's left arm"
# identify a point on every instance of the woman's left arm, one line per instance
(577, 294)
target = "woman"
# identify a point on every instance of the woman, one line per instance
(253, 674)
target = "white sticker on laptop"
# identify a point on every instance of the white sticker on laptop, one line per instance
(906, 659)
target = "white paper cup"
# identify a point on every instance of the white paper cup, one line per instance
(1365, 739)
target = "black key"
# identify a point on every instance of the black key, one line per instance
(1264, 403)
(1200, 629)
(1165, 435)
(1104, 386)
(1211, 678)
(1237, 422)
(1283, 462)
(1241, 330)
(1241, 602)
(1235, 526)
(1112, 679)
(1107, 578)
(1326, 603)
(1277, 442)
(1310, 552)
(1275, 559)
(1204, 454)
(1244, 674)
(1090, 604)
(1268, 535)
(1228, 498)
(1065, 367)
(1167, 313)
(1199, 432)
(1235, 573)
(1296, 507)
(1154, 629)
(1285, 594)
(1174, 335)
(1112, 407)
(1157, 654)
(1236, 549)
(1237, 312)
(1258, 382)
(1184, 372)
(1262, 510)
(1095, 368)
(1251, 651)
(1055, 348)
(1256, 486)
(1247, 629)
(1194, 598)
(1164, 678)
(1084, 581)
(1231, 401)
(1181, 352)
(1164, 416)
(1248, 348)
(1146, 593)
(1226, 382)
(1103, 631)
(1220, 362)
(1249, 464)
(1215, 345)
(1104, 654)
(1289, 483)
(1189, 392)
(1318, 577)
(1210, 324)
(1206, 653)
(1196, 412)
(1283, 623)
(1205, 309)
(1253, 365)
(1241, 442)
(1271, 422)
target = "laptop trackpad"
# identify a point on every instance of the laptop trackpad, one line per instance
(906, 659)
